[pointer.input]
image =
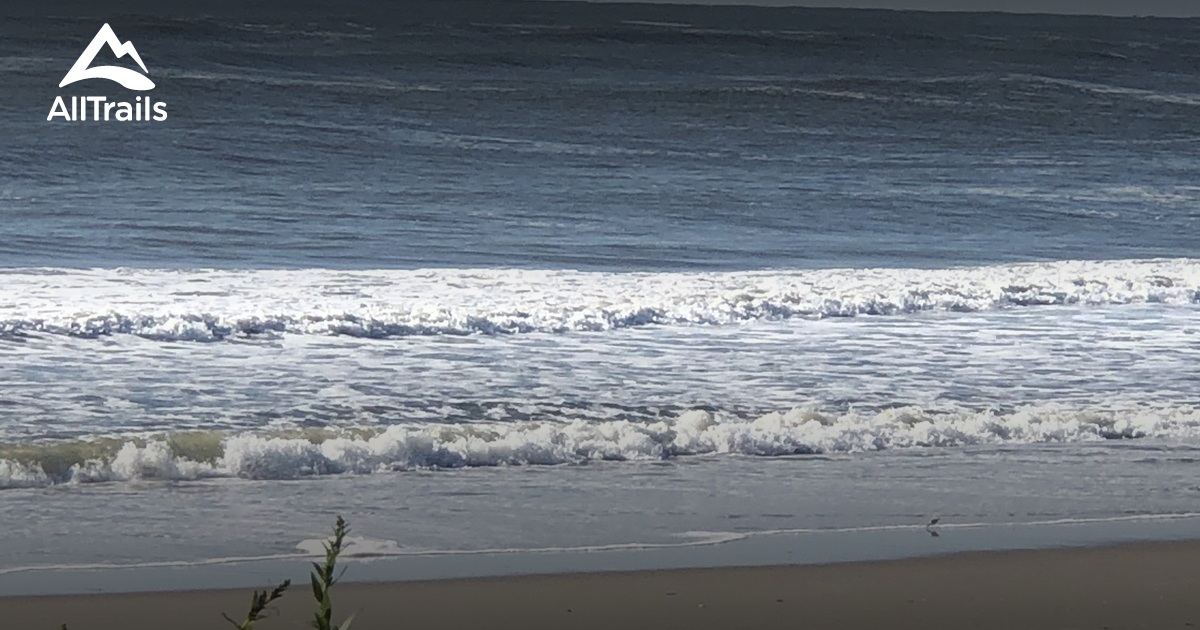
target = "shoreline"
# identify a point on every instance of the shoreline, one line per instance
(765, 548)
(1142, 584)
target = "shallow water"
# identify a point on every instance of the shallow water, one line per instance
(603, 516)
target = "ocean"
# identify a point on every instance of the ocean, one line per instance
(494, 279)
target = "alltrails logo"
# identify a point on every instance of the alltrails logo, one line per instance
(99, 107)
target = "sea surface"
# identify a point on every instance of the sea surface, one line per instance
(498, 277)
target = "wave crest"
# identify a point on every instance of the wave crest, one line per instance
(214, 305)
(408, 447)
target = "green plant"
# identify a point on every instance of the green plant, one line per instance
(323, 580)
(258, 604)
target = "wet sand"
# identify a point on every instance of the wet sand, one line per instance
(1145, 585)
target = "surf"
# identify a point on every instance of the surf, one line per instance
(364, 450)
(216, 305)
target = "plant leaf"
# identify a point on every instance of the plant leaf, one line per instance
(318, 590)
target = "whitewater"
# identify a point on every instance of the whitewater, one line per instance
(212, 305)
(402, 448)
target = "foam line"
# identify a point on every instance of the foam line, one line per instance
(393, 448)
(210, 305)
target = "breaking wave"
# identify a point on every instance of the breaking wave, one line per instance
(211, 305)
(799, 431)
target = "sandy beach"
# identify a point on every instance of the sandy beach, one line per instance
(1147, 585)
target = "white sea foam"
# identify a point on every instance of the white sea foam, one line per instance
(799, 431)
(210, 305)
(17, 475)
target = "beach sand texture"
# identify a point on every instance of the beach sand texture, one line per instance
(1149, 585)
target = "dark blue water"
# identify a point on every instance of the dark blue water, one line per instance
(562, 135)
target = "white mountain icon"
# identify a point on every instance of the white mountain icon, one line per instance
(126, 77)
